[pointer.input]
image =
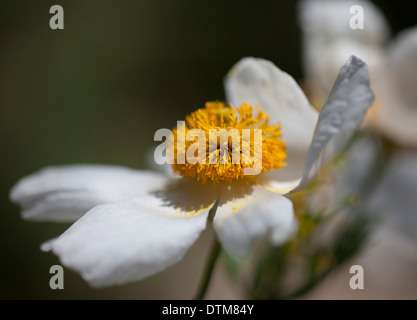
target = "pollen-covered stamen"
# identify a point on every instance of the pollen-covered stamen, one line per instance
(220, 143)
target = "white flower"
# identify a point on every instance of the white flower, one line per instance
(133, 224)
(328, 40)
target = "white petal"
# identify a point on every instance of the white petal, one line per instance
(338, 52)
(260, 83)
(246, 212)
(344, 110)
(65, 193)
(130, 240)
(398, 106)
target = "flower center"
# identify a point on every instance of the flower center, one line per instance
(220, 143)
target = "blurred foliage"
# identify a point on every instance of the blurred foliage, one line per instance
(292, 270)
(328, 235)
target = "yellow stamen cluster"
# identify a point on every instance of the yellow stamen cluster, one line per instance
(216, 115)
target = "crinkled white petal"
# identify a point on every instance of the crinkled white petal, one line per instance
(260, 83)
(281, 187)
(247, 212)
(129, 240)
(398, 103)
(344, 110)
(396, 194)
(65, 193)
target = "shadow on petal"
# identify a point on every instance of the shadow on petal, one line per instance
(191, 195)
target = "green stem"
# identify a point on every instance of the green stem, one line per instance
(208, 272)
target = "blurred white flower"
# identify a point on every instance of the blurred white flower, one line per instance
(133, 224)
(328, 40)
(397, 107)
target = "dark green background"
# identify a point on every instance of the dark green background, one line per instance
(97, 91)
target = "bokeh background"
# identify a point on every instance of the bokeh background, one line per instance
(97, 91)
